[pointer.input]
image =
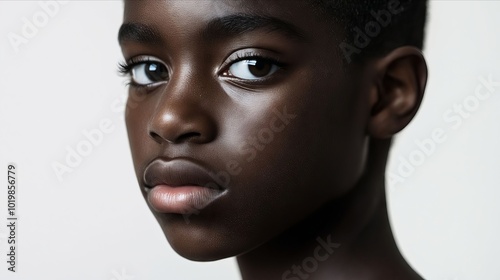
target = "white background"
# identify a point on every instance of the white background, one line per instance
(94, 223)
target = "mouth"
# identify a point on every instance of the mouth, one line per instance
(180, 186)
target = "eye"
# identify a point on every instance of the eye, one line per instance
(252, 68)
(148, 73)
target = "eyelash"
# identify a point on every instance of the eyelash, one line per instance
(251, 56)
(125, 67)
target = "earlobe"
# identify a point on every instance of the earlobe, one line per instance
(397, 91)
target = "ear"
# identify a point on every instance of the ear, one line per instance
(397, 91)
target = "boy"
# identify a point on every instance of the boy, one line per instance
(260, 129)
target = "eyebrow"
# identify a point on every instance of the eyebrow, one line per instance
(239, 24)
(217, 28)
(140, 33)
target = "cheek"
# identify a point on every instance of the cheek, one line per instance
(326, 142)
(136, 122)
(291, 157)
(283, 156)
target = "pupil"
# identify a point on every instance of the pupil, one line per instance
(153, 67)
(156, 72)
(259, 68)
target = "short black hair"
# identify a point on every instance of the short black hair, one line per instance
(375, 27)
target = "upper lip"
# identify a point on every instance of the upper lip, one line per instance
(177, 172)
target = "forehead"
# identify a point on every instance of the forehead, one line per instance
(201, 28)
(183, 16)
(213, 8)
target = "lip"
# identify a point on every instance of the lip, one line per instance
(179, 186)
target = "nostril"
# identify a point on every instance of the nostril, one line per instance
(188, 136)
(181, 127)
(155, 136)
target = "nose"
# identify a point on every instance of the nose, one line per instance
(179, 119)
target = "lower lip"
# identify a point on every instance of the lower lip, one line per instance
(182, 199)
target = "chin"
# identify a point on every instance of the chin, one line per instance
(202, 249)
(198, 241)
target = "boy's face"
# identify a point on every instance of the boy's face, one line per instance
(254, 93)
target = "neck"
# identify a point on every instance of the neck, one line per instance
(350, 238)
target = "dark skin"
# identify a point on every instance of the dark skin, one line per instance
(215, 90)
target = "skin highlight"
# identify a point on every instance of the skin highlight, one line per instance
(258, 96)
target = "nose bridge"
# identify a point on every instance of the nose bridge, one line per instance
(181, 114)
